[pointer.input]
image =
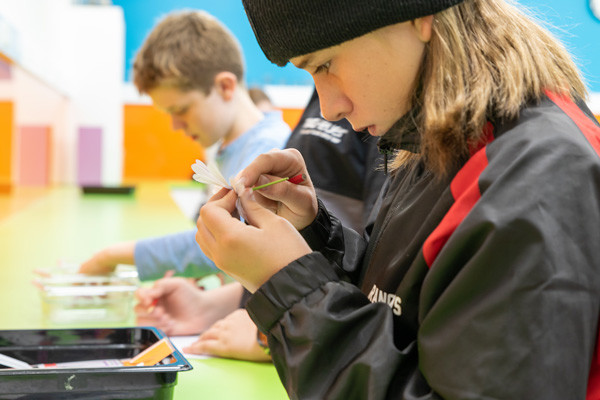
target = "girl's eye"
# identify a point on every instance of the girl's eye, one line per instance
(323, 67)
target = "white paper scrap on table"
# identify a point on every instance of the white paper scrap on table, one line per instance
(184, 341)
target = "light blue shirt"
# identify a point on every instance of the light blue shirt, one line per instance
(179, 251)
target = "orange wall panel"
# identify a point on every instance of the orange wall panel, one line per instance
(152, 149)
(6, 137)
(292, 115)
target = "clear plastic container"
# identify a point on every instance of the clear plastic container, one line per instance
(69, 297)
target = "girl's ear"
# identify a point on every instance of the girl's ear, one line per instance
(225, 84)
(424, 27)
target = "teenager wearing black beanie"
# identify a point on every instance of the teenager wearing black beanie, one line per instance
(481, 276)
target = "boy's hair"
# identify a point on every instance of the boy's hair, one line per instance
(485, 61)
(257, 95)
(186, 50)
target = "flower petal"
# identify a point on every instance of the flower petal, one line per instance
(209, 174)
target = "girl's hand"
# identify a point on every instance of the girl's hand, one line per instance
(297, 203)
(249, 253)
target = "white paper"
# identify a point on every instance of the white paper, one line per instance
(183, 341)
(13, 362)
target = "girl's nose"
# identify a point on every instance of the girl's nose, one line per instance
(335, 105)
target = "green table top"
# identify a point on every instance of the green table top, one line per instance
(41, 226)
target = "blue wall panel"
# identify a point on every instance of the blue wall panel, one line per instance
(142, 15)
(576, 26)
(572, 21)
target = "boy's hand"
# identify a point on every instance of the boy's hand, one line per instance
(232, 337)
(175, 305)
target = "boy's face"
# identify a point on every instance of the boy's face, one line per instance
(197, 114)
(367, 80)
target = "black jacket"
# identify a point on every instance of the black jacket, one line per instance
(484, 285)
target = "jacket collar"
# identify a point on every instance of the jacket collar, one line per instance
(403, 135)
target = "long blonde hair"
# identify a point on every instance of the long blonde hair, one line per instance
(485, 60)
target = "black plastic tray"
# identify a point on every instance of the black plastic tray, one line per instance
(89, 189)
(64, 345)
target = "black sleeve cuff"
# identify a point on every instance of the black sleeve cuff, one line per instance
(289, 286)
(317, 233)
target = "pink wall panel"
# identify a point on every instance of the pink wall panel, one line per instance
(34, 155)
(89, 156)
(5, 69)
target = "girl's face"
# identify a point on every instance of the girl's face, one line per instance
(369, 80)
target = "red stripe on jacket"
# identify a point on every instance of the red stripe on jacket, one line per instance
(589, 129)
(465, 191)
(592, 133)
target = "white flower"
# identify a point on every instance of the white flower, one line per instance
(209, 174)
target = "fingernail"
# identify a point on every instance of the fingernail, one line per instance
(249, 194)
(238, 184)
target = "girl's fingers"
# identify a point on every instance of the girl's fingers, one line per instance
(220, 194)
(216, 219)
(256, 214)
(218, 211)
(279, 163)
(205, 240)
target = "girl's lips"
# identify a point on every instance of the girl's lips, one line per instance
(371, 129)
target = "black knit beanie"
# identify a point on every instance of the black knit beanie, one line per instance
(289, 28)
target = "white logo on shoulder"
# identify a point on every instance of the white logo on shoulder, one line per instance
(392, 300)
(323, 129)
